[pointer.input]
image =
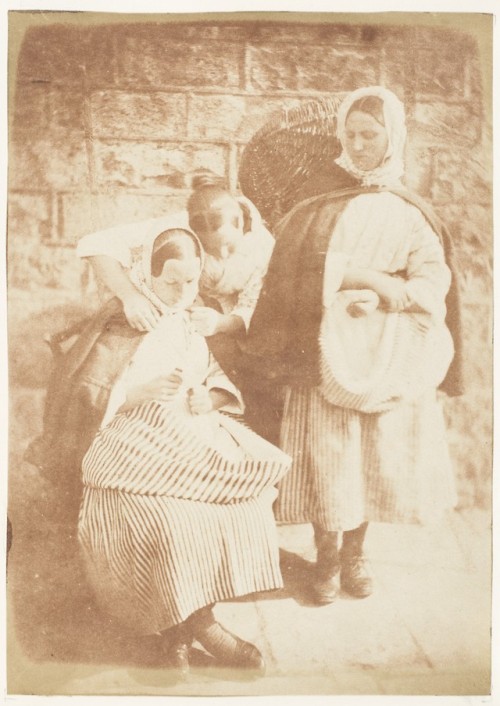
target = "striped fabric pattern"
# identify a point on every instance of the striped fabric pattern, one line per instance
(351, 467)
(152, 560)
(151, 450)
(170, 523)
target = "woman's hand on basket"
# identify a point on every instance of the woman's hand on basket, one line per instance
(365, 303)
(392, 292)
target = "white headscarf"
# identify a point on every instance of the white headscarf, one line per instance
(141, 274)
(389, 172)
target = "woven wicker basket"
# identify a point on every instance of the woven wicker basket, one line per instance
(292, 158)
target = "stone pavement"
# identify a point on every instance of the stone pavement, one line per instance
(425, 629)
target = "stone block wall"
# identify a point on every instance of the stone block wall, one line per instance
(108, 122)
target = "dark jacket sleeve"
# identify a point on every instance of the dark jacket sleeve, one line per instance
(282, 342)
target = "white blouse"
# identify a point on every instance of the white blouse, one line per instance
(173, 344)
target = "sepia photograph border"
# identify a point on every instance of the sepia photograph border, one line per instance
(296, 12)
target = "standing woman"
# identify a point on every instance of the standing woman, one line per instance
(352, 321)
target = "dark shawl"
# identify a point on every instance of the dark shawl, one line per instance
(282, 345)
(78, 392)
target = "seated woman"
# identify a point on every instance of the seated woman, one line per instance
(176, 512)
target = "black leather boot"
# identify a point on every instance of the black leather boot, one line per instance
(325, 587)
(176, 644)
(355, 579)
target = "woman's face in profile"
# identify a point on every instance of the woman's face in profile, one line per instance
(177, 285)
(366, 140)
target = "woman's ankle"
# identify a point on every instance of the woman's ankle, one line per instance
(201, 620)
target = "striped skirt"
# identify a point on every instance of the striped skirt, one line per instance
(170, 523)
(350, 467)
(152, 561)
